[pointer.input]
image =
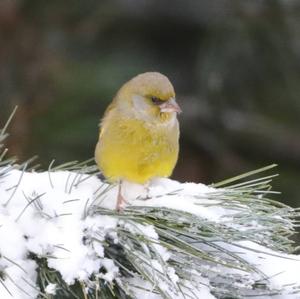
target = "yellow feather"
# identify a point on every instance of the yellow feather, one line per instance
(129, 150)
(138, 142)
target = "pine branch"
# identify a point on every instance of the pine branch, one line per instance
(184, 242)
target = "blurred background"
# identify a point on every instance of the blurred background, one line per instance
(235, 66)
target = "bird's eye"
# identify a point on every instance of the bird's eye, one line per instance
(156, 101)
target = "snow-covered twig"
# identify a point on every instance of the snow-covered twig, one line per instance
(61, 237)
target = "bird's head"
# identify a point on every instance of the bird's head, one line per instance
(149, 96)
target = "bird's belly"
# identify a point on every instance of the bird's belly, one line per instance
(137, 155)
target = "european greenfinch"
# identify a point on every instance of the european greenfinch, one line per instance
(139, 133)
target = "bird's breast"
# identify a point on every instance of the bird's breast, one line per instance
(137, 151)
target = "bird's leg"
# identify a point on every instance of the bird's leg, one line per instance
(147, 188)
(120, 199)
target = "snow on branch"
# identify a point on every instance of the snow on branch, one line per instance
(60, 237)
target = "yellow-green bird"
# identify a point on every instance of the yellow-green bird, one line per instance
(139, 133)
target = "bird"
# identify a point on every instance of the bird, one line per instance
(139, 133)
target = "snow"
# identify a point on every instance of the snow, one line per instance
(282, 270)
(51, 289)
(19, 278)
(47, 214)
(111, 270)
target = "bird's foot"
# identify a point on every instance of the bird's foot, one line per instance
(147, 197)
(147, 188)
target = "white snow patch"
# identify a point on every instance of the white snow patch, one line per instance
(47, 214)
(51, 288)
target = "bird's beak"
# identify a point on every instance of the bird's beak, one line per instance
(170, 106)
